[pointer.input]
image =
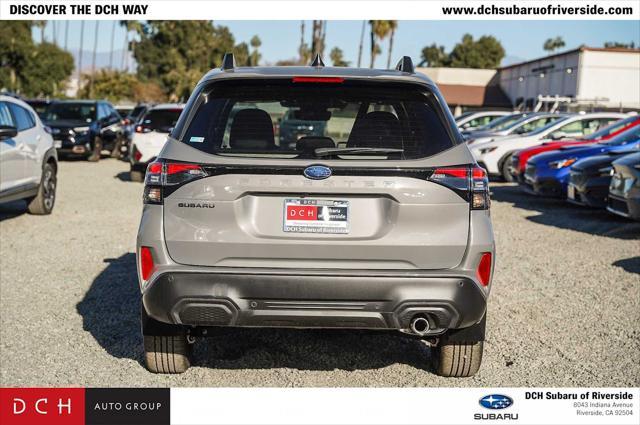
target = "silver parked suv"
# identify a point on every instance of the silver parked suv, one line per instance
(379, 222)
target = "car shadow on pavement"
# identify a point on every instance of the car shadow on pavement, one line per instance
(630, 265)
(559, 213)
(123, 176)
(312, 350)
(12, 209)
(110, 312)
(110, 309)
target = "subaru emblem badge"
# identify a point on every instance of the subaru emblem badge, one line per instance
(496, 401)
(317, 172)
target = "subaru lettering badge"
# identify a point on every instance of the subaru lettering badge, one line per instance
(496, 401)
(317, 172)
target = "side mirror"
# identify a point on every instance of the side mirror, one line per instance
(7, 132)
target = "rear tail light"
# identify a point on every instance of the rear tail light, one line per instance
(470, 182)
(162, 178)
(145, 260)
(483, 273)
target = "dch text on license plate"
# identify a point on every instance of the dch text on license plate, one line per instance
(316, 216)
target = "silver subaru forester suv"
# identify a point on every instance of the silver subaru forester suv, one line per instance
(378, 221)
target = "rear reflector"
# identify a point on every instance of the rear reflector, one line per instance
(330, 80)
(146, 262)
(483, 273)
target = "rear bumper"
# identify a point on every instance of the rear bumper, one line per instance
(313, 301)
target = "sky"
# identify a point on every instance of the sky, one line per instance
(522, 40)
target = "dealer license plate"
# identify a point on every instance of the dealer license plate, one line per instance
(316, 216)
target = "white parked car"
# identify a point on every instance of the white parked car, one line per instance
(511, 125)
(28, 160)
(475, 119)
(495, 155)
(150, 135)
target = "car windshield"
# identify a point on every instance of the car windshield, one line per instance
(546, 127)
(85, 112)
(161, 120)
(631, 135)
(502, 123)
(610, 129)
(396, 121)
(137, 112)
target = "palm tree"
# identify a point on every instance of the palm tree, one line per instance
(42, 25)
(379, 31)
(255, 55)
(553, 44)
(93, 60)
(113, 36)
(392, 27)
(80, 54)
(364, 24)
(66, 34)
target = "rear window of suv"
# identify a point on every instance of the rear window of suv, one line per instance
(349, 120)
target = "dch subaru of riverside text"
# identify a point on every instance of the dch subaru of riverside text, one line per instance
(379, 222)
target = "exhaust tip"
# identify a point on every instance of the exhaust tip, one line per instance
(420, 325)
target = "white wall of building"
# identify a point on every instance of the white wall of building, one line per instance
(555, 75)
(612, 75)
(584, 74)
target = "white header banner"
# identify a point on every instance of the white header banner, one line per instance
(321, 9)
(405, 406)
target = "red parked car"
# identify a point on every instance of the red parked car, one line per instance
(519, 159)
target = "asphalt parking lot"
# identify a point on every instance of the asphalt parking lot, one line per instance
(565, 307)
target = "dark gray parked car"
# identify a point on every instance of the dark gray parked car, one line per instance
(383, 226)
(624, 191)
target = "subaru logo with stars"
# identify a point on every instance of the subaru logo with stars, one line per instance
(496, 401)
(317, 172)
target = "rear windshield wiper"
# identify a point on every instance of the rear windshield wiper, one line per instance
(354, 151)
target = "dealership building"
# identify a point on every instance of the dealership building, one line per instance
(586, 78)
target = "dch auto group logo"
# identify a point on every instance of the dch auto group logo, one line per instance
(495, 402)
(51, 406)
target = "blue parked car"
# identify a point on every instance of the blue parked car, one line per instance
(548, 173)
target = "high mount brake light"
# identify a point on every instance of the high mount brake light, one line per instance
(163, 178)
(334, 80)
(470, 180)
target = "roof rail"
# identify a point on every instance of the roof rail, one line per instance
(317, 61)
(228, 62)
(405, 65)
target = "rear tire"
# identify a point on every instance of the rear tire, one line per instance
(136, 176)
(44, 201)
(506, 175)
(97, 149)
(167, 354)
(458, 359)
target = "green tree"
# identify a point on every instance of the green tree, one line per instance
(28, 68)
(241, 54)
(48, 69)
(109, 84)
(175, 54)
(485, 53)
(617, 44)
(255, 55)
(434, 56)
(553, 44)
(337, 57)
